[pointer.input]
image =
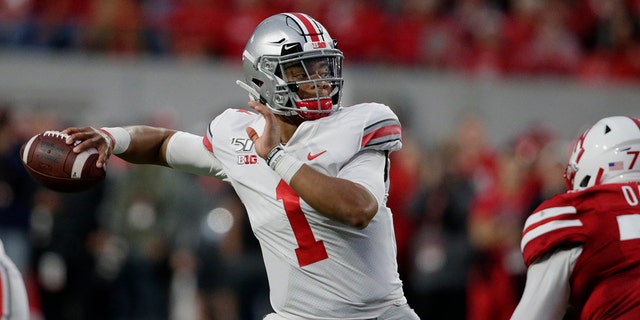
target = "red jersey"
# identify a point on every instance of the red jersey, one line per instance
(605, 221)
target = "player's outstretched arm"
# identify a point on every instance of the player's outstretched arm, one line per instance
(147, 144)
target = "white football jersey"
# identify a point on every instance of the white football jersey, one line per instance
(318, 268)
(13, 295)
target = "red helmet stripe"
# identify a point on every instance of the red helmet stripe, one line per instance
(599, 176)
(580, 144)
(309, 27)
(636, 121)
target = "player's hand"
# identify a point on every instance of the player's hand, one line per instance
(90, 137)
(271, 136)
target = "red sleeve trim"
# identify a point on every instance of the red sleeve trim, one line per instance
(207, 143)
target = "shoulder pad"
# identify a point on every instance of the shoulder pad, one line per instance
(552, 225)
(382, 129)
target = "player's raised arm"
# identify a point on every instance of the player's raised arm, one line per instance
(338, 199)
(136, 144)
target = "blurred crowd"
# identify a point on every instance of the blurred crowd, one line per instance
(589, 40)
(153, 243)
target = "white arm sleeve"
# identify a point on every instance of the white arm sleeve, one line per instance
(186, 152)
(546, 293)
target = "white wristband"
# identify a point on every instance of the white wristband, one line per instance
(287, 166)
(283, 164)
(120, 137)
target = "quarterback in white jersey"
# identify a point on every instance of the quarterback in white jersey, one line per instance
(13, 295)
(317, 265)
(312, 175)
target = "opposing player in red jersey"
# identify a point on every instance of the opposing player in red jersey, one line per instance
(582, 248)
(312, 175)
(13, 295)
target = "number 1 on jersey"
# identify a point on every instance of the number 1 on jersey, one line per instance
(309, 250)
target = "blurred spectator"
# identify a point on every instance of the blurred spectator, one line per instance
(149, 212)
(156, 33)
(494, 229)
(50, 25)
(422, 33)
(232, 278)
(142, 212)
(520, 28)
(62, 225)
(197, 28)
(114, 27)
(246, 15)
(614, 38)
(442, 248)
(524, 178)
(547, 46)
(404, 182)
(542, 157)
(592, 40)
(14, 21)
(484, 52)
(346, 19)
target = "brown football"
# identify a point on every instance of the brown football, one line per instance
(52, 162)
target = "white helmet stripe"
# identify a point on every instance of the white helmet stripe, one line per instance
(311, 31)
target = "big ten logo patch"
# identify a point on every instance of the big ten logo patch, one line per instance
(244, 145)
(247, 159)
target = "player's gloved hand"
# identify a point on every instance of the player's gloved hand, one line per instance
(270, 137)
(90, 138)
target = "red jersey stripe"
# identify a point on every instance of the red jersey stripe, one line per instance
(380, 133)
(207, 143)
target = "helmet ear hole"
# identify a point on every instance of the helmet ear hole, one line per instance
(585, 181)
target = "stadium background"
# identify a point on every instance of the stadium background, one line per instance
(490, 94)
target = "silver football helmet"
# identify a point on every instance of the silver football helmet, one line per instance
(293, 40)
(607, 152)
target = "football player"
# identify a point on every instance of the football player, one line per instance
(13, 295)
(313, 175)
(582, 247)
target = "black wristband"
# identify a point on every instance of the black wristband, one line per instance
(272, 153)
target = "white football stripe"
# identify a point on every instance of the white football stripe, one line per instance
(547, 227)
(25, 152)
(78, 164)
(629, 226)
(547, 214)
